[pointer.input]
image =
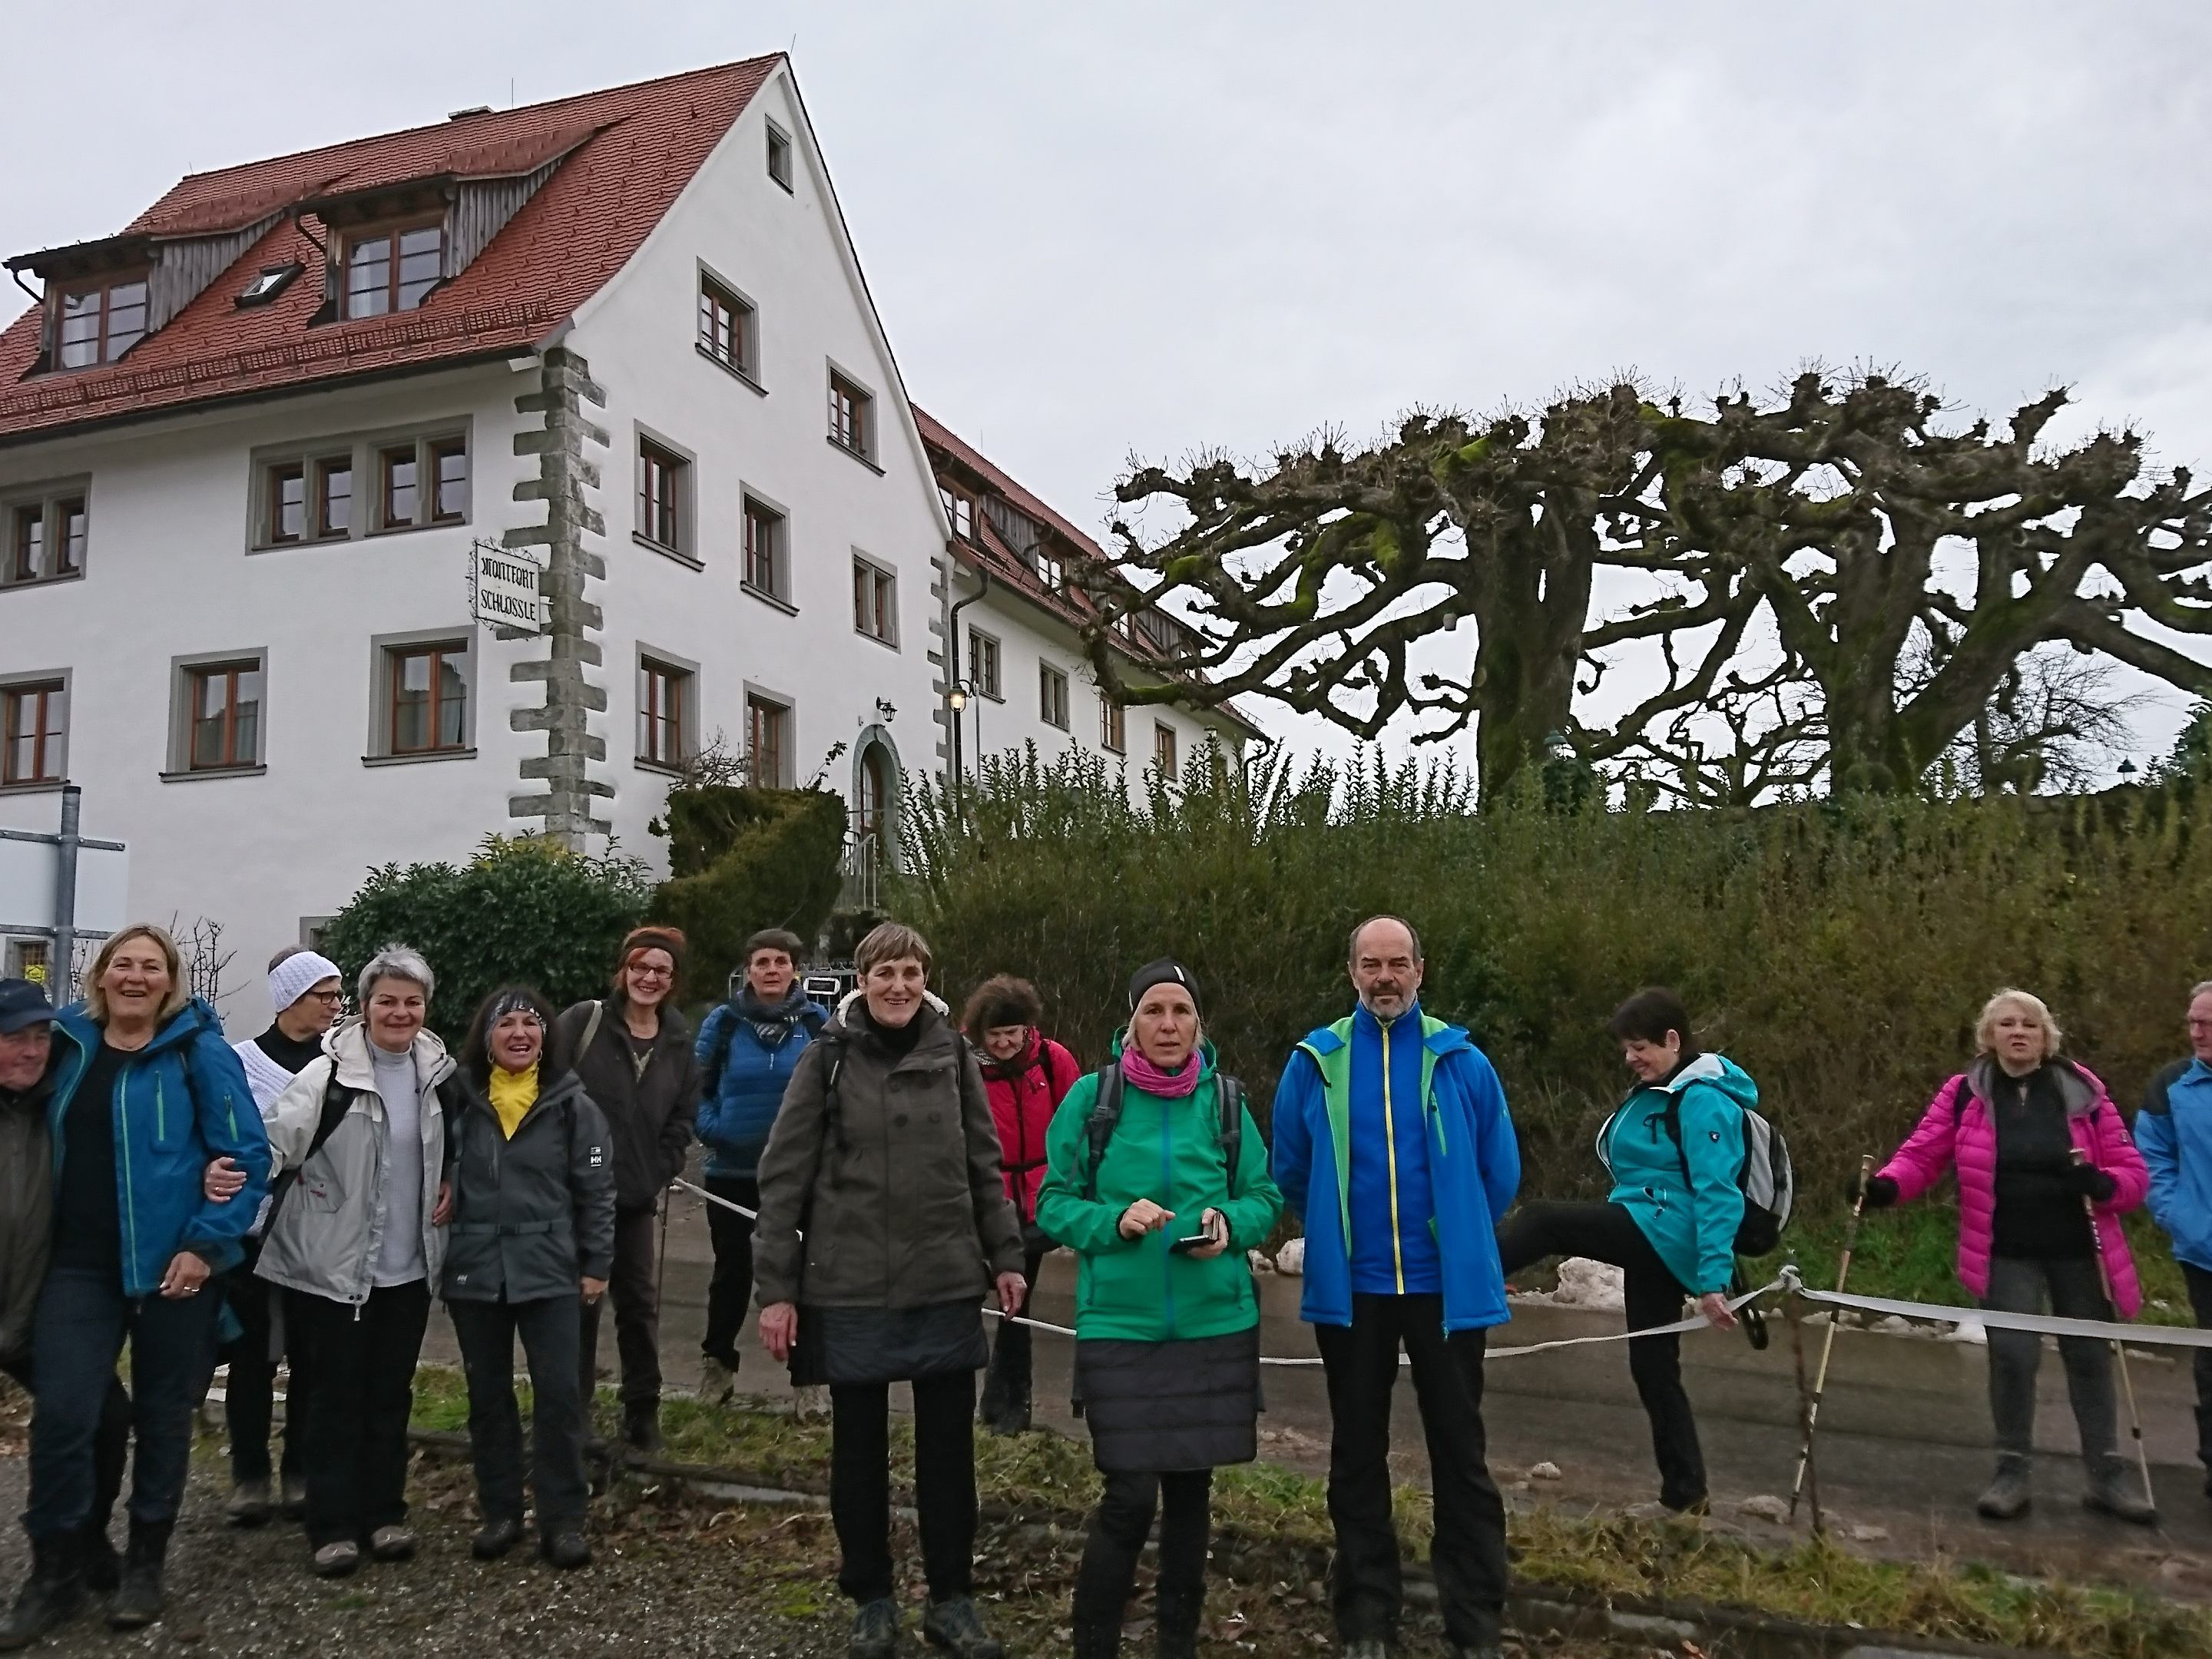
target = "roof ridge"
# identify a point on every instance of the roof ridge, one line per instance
(435, 126)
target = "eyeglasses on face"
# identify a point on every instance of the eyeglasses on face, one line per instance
(643, 972)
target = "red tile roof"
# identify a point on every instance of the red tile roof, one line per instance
(635, 149)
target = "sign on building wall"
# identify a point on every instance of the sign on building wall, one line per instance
(505, 587)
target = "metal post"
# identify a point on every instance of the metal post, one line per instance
(64, 974)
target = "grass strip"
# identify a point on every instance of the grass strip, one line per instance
(1278, 1519)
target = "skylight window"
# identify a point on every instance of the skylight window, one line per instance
(272, 281)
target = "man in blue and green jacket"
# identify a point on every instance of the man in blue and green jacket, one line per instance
(1394, 1145)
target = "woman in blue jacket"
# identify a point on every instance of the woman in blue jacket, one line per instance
(1669, 1224)
(746, 1052)
(148, 1093)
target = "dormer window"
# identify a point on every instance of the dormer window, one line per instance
(393, 268)
(100, 322)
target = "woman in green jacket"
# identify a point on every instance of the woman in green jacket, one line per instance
(1160, 1189)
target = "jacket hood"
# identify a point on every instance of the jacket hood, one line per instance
(1719, 1071)
(856, 994)
(852, 1017)
(2078, 1086)
(347, 1044)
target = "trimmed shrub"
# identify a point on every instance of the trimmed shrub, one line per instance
(524, 909)
(1839, 951)
(744, 860)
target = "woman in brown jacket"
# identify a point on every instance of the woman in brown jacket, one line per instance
(885, 1157)
(634, 1058)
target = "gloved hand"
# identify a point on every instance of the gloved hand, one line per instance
(1880, 1192)
(2092, 1182)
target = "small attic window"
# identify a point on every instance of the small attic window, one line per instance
(779, 155)
(272, 281)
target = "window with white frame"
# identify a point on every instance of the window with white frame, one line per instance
(46, 531)
(1051, 696)
(666, 694)
(767, 566)
(875, 601)
(983, 665)
(33, 732)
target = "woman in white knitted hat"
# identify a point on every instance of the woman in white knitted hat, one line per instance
(307, 993)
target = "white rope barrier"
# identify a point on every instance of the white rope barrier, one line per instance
(2134, 1336)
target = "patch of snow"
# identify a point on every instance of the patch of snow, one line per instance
(1584, 1284)
(1291, 1258)
(1545, 1471)
(1767, 1507)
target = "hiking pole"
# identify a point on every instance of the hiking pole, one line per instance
(2127, 1383)
(1805, 1399)
(1828, 1342)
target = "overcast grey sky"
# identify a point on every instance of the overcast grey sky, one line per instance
(1152, 227)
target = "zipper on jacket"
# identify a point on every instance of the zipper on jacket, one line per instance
(1167, 1193)
(121, 1112)
(1390, 1141)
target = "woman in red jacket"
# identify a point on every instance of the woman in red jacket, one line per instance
(1025, 1072)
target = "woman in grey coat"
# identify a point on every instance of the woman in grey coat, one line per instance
(885, 1156)
(533, 1239)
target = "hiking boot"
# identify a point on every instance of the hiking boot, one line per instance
(1368, 1647)
(955, 1625)
(138, 1598)
(249, 1506)
(566, 1549)
(97, 1562)
(338, 1560)
(718, 1383)
(50, 1597)
(295, 1504)
(393, 1543)
(494, 1539)
(1175, 1622)
(2009, 1494)
(1096, 1639)
(2113, 1490)
(642, 1427)
(875, 1630)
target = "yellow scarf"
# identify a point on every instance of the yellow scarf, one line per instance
(513, 1093)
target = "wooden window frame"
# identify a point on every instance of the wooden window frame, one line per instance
(435, 450)
(852, 416)
(959, 511)
(651, 457)
(666, 692)
(991, 685)
(390, 235)
(717, 297)
(1113, 726)
(875, 602)
(388, 458)
(779, 156)
(44, 519)
(103, 339)
(49, 736)
(754, 512)
(1166, 759)
(325, 469)
(275, 478)
(440, 652)
(231, 669)
(1054, 697)
(29, 555)
(764, 712)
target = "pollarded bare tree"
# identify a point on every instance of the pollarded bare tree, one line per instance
(1874, 537)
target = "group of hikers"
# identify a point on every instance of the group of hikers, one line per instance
(879, 1172)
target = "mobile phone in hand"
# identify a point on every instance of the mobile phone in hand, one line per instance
(1193, 1240)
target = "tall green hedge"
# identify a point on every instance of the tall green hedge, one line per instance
(523, 909)
(1840, 952)
(743, 859)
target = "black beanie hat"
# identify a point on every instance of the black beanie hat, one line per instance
(1166, 971)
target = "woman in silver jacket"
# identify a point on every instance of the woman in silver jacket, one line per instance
(355, 1243)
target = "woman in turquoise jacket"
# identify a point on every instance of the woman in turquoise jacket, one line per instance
(1669, 1224)
(1160, 1191)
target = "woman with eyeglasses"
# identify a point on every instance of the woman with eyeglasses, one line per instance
(633, 1056)
(533, 1243)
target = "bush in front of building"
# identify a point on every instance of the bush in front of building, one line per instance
(745, 859)
(524, 909)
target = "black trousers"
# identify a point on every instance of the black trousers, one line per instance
(943, 1483)
(1468, 1556)
(1607, 1233)
(78, 1333)
(2200, 1303)
(111, 1446)
(731, 1289)
(250, 1393)
(1006, 1384)
(1118, 1528)
(363, 1361)
(486, 1332)
(635, 1289)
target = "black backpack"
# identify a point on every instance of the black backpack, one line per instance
(1106, 1114)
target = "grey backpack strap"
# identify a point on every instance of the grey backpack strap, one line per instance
(591, 1028)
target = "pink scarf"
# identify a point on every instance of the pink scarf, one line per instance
(1169, 1085)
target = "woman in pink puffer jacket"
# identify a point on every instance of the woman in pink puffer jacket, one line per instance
(2011, 1126)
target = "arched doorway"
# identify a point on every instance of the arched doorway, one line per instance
(875, 783)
